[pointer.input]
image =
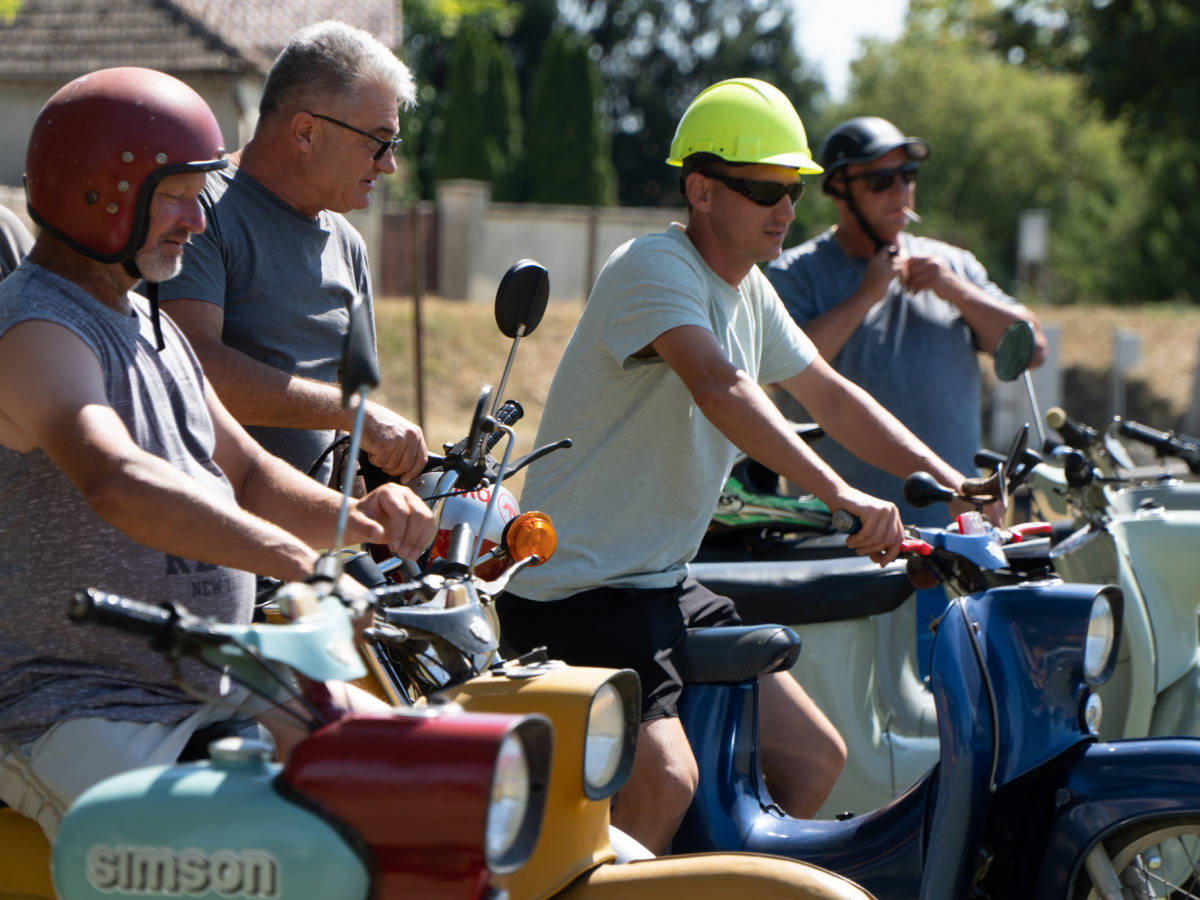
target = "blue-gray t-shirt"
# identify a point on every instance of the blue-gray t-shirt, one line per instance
(913, 352)
(285, 282)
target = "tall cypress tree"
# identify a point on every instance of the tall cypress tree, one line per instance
(568, 153)
(481, 122)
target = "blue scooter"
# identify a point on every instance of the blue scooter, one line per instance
(1023, 802)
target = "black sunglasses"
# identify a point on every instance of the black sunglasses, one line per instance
(384, 146)
(881, 179)
(764, 193)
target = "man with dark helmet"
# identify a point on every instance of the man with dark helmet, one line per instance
(659, 387)
(898, 315)
(119, 467)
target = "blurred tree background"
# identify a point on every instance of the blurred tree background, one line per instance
(1084, 108)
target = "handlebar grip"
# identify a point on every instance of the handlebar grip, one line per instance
(103, 608)
(1074, 434)
(509, 413)
(1165, 443)
(846, 522)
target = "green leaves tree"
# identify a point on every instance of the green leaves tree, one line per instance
(1006, 138)
(568, 152)
(480, 135)
(656, 56)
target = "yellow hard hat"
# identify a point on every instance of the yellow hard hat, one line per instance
(743, 120)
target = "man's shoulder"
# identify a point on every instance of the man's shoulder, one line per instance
(805, 253)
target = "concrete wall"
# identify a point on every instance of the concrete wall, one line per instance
(478, 240)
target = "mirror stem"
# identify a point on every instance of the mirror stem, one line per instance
(351, 468)
(1037, 415)
(512, 354)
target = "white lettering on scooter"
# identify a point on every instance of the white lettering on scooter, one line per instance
(162, 870)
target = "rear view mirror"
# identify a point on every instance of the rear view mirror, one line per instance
(521, 298)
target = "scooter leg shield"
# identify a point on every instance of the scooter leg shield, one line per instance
(718, 876)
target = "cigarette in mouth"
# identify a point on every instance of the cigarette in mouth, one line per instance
(912, 216)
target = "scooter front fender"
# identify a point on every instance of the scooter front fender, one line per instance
(1108, 787)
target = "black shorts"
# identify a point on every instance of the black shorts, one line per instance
(619, 628)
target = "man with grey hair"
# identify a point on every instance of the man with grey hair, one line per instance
(264, 292)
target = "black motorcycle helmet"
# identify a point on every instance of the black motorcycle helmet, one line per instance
(862, 140)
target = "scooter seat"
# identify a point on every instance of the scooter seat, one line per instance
(801, 593)
(729, 655)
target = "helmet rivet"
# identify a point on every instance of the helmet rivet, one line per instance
(160, 158)
(112, 208)
(122, 186)
(127, 156)
(91, 198)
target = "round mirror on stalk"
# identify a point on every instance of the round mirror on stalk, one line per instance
(1014, 350)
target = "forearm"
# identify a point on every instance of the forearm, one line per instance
(742, 411)
(147, 499)
(259, 394)
(832, 329)
(854, 419)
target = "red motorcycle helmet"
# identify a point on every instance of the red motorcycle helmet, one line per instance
(102, 144)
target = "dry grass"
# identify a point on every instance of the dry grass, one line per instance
(463, 350)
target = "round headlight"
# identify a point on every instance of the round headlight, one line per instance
(605, 738)
(510, 797)
(1099, 646)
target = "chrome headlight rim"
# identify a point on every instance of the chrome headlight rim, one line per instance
(1103, 636)
(609, 747)
(517, 794)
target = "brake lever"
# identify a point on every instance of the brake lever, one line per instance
(535, 455)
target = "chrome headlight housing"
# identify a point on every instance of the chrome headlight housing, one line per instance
(517, 800)
(611, 740)
(1103, 636)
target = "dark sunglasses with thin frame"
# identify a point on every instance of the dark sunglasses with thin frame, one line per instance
(384, 145)
(881, 180)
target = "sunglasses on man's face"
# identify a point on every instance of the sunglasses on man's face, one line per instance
(764, 193)
(882, 179)
(384, 145)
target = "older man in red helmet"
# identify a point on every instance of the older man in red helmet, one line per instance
(120, 466)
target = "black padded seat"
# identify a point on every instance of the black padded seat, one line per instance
(800, 593)
(735, 654)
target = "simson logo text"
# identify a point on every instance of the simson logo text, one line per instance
(166, 871)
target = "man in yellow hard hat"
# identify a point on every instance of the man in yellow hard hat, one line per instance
(659, 388)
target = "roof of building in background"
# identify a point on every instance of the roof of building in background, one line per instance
(65, 38)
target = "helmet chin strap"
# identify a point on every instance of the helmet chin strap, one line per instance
(130, 265)
(870, 232)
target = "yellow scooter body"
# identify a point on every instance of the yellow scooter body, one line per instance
(24, 859)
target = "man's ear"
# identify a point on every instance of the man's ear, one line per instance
(303, 131)
(833, 190)
(699, 191)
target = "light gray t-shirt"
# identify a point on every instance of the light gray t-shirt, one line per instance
(51, 542)
(632, 498)
(914, 353)
(285, 282)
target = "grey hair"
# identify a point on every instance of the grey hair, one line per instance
(323, 63)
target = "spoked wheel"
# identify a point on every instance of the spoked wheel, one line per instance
(1159, 859)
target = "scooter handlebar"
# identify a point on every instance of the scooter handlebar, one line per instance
(152, 620)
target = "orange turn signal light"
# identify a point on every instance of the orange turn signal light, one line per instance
(531, 534)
